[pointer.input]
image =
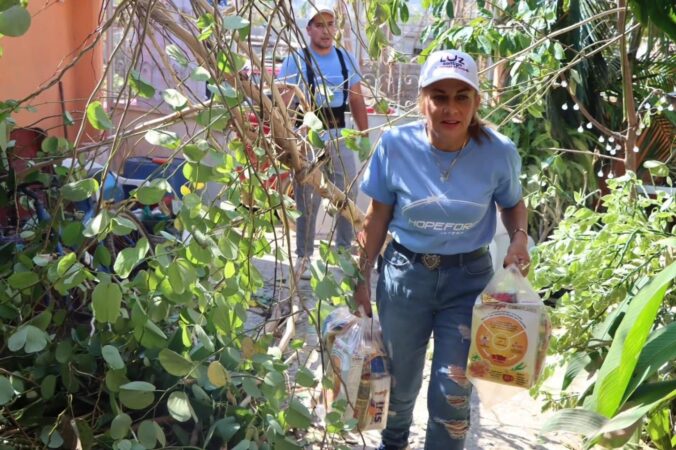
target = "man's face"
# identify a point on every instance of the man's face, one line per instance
(322, 30)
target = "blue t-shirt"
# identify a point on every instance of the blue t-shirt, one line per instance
(443, 217)
(327, 72)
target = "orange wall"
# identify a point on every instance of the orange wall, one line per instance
(56, 34)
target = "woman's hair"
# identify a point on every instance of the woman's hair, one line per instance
(477, 127)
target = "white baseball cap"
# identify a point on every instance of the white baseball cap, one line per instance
(449, 65)
(321, 7)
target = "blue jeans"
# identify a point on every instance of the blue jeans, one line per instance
(342, 171)
(414, 302)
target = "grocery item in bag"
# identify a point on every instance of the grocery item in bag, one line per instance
(510, 332)
(357, 364)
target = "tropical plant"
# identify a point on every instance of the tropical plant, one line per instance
(615, 270)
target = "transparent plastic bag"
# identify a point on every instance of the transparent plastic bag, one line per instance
(510, 336)
(356, 363)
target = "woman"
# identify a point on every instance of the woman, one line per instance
(435, 185)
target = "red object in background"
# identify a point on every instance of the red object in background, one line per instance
(27, 144)
(372, 110)
(262, 165)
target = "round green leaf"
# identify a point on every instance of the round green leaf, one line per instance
(112, 356)
(235, 22)
(14, 21)
(97, 117)
(120, 426)
(28, 337)
(136, 399)
(115, 379)
(80, 190)
(128, 258)
(23, 280)
(140, 86)
(177, 54)
(174, 363)
(47, 387)
(51, 439)
(163, 138)
(140, 386)
(200, 74)
(298, 415)
(107, 301)
(179, 406)
(174, 98)
(146, 434)
(6, 390)
(153, 192)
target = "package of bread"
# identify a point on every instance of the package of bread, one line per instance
(357, 366)
(510, 332)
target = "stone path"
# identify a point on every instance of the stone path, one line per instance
(511, 425)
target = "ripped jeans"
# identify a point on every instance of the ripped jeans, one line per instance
(414, 302)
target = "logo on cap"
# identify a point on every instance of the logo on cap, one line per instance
(453, 61)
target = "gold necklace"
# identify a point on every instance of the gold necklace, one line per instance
(445, 173)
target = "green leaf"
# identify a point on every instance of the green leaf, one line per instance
(163, 138)
(121, 226)
(657, 168)
(112, 356)
(47, 387)
(50, 437)
(153, 192)
(179, 406)
(50, 145)
(107, 302)
(305, 378)
(174, 363)
(313, 122)
(120, 426)
(625, 350)
(6, 4)
(235, 23)
(579, 421)
(177, 55)
(6, 390)
(97, 116)
(137, 394)
(146, 434)
(29, 338)
(128, 258)
(23, 280)
(98, 225)
(68, 118)
(194, 153)
(174, 98)
(658, 350)
(297, 415)
(274, 379)
(140, 86)
(200, 74)
(14, 21)
(80, 190)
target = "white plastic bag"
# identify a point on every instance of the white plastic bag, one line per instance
(357, 365)
(510, 336)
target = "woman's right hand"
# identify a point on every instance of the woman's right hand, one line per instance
(362, 298)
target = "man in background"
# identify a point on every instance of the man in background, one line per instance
(329, 77)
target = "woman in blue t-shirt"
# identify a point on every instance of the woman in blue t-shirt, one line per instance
(435, 185)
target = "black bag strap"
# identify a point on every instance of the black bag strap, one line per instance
(310, 74)
(343, 69)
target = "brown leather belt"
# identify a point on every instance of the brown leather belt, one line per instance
(433, 261)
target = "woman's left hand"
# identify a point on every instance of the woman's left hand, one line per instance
(517, 254)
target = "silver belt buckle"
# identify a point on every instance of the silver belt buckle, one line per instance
(431, 261)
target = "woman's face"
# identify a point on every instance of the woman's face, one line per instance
(448, 107)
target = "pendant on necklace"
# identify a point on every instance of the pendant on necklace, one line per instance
(444, 176)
